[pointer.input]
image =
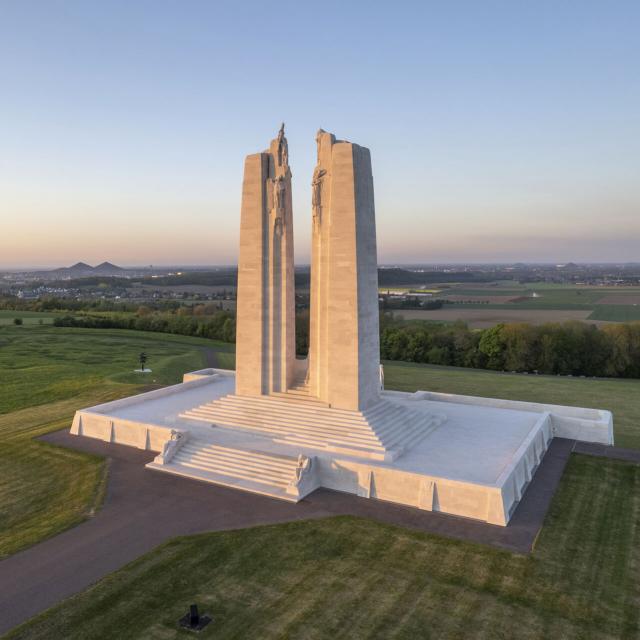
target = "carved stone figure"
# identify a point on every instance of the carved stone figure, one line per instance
(283, 149)
(279, 189)
(316, 193)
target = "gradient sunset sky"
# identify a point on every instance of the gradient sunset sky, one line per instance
(499, 131)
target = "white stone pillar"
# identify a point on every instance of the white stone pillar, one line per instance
(265, 332)
(344, 352)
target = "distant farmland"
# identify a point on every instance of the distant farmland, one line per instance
(485, 305)
(481, 318)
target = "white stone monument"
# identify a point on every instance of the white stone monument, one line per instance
(284, 427)
(344, 336)
(266, 341)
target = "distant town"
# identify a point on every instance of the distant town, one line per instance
(108, 280)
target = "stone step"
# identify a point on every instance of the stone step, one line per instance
(244, 464)
(337, 447)
(275, 459)
(224, 480)
(287, 400)
(294, 396)
(387, 425)
(285, 417)
(385, 428)
(234, 470)
(403, 435)
(290, 427)
(293, 408)
(419, 436)
(247, 461)
(268, 422)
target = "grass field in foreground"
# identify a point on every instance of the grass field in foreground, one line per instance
(620, 396)
(352, 578)
(46, 373)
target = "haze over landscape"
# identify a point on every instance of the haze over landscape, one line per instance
(498, 133)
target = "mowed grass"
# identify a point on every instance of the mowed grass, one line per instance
(45, 364)
(46, 374)
(622, 397)
(352, 578)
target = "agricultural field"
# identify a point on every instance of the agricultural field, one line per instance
(536, 303)
(482, 317)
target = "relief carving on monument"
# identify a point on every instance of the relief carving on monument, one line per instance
(283, 148)
(316, 194)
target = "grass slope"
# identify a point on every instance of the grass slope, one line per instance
(351, 578)
(41, 364)
(622, 397)
(47, 373)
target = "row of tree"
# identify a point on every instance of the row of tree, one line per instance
(221, 326)
(54, 303)
(570, 348)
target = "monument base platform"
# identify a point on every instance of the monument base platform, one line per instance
(475, 459)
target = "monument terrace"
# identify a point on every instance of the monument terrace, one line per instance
(283, 426)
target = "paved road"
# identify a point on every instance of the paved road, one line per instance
(144, 508)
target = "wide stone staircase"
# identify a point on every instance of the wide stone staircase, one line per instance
(382, 432)
(254, 471)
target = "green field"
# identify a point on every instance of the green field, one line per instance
(47, 373)
(552, 297)
(27, 317)
(352, 578)
(616, 313)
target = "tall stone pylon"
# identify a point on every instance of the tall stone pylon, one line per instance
(344, 341)
(265, 332)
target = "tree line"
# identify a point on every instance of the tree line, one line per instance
(221, 326)
(570, 348)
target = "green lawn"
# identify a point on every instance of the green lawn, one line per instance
(46, 373)
(41, 364)
(620, 396)
(352, 578)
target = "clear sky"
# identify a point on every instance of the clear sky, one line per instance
(499, 131)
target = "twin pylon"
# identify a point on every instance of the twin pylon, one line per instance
(342, 368)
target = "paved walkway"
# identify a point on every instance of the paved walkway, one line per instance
(144, 508)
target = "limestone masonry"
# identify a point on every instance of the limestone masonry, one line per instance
(283, 426)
